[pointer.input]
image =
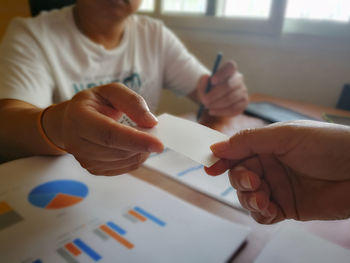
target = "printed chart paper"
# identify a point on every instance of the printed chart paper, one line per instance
(192, 174)
(189, 138)
(292, 244)
(52, 210)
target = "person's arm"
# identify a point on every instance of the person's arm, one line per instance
(26, 84)
(184, 74)
(181, 68)
(298, 170)
(85, 126)
(19, 135)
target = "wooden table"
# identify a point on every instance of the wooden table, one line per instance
(335, 231)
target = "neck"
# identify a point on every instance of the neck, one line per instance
(100, 27)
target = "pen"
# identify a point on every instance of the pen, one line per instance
(209, 86)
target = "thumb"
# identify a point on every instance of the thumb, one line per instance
(271, 139)
(201, 88)
(125, 100)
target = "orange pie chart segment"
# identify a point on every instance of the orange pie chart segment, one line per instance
(63, 200)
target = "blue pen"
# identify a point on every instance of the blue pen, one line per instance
(209, 86)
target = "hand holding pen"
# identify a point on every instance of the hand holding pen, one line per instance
(209, 85)
(224, 92)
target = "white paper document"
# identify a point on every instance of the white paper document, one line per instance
(188, 138)
(292, 245)
(192, 174)
(52, 210)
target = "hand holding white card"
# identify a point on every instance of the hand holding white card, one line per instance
(188, 138)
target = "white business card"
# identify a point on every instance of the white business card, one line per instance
(188, 138)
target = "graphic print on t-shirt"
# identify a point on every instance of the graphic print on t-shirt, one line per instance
(131, 80)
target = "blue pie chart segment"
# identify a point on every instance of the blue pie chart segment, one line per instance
(58, 194)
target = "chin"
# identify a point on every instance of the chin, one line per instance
(117, 3)
(116, 8)
(121, 7)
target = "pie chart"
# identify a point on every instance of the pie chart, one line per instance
(58, 194)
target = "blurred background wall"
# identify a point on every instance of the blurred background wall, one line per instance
(9, 9)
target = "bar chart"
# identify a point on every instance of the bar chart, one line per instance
(71, 251)
(117, 233)
(113, 231)
(87, 249)
(58, 194)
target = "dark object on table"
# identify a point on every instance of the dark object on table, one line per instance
(344, 99)
(274, 113)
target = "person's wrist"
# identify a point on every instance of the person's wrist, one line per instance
(52, 120)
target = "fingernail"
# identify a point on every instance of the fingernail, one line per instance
(144, 105)
(156, 148)
(252, 202)
(151, 116)
(245, 182)
(220, 147)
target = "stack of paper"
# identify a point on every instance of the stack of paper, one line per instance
(52, 210)
(295, 245)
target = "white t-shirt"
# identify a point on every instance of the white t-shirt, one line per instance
(46, 59)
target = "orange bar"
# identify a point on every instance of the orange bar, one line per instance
(137, 215)
(72, 249)
(117, 237)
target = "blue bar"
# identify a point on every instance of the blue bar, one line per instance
(149, 216)
(89, 251)
(37, 261)
(227, 191)
(116, 228)
(190, 170)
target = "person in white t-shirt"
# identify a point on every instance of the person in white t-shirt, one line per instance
(68, 75)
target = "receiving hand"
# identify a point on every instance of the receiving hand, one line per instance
(298, 170)
(90, 131)
(228, 96)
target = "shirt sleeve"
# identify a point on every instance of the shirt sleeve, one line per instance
(182, 70)
(24, 71)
